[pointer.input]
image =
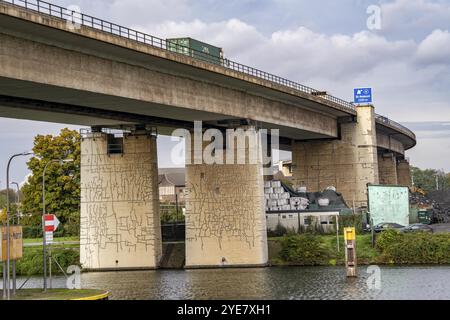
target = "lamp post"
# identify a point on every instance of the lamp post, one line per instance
(6, 280)
(15, 222)
(44, 240)
(17, 201)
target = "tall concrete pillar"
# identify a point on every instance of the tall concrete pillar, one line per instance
(225, 208)
(404, 173)
(348, 164)
(120, 221)
(387, 168)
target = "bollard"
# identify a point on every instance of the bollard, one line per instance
(350, 251)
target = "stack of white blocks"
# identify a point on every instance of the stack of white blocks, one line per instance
(277, 199)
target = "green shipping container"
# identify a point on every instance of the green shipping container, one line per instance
(196, 49)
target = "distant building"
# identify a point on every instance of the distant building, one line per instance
(285, 167)
(172, 183)
(307, 219)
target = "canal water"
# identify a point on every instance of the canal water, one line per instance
(287, 283)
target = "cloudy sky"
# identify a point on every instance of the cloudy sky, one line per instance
(325, 44)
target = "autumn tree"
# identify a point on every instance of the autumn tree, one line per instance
(62, 181)
(429, 179)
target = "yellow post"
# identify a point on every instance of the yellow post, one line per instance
(350, 251)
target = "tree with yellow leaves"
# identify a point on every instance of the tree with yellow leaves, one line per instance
(62, 181)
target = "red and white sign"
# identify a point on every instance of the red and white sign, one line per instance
(51, 223)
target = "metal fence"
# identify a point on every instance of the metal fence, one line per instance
(82, 19)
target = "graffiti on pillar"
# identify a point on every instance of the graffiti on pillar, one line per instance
(225, 203)
(119, 224)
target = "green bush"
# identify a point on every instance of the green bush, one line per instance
(66, 230)
(169, 214)
(30, 232)
(414, 248)
(32, 264)
(279, 231)
(304, 249)
(385, 239)
(351, 220)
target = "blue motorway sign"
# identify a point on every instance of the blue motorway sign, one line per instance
(363, 95)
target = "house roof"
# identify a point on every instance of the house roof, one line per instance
(172, 177)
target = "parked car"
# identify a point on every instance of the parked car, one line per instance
(417, 227)
(386, 226)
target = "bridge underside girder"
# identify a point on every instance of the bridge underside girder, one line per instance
(31, 101)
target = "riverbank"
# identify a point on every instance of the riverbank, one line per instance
(318, 250)
(60, 294)
(31, 262)
(392, 248)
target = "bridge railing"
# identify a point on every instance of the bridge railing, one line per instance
(77, 18)
(395, 125)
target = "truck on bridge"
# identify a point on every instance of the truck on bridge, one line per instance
(196, 49)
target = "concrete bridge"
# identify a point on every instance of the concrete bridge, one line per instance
(102, 75)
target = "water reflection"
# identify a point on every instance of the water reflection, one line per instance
(270, 283)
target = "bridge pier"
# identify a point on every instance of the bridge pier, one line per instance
(120, 221)
(225, 207)
(348, 164)
(404, 173)
(387, 168)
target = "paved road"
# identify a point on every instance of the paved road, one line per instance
(441, 228)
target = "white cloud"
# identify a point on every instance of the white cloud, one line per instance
(134, 12)
(408, 76)
(234, 35)
(25, 180)
(335, 57)
(414, 18)
(435, 49)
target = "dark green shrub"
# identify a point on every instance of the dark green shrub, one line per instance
(30, 232)
(279, 231)
(304, 249)
(414, 248)
(351, 220)
(31, 263)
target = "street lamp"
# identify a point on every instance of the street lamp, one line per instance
(44, 240)
(6, 279)
(17, 222)
(17, 200)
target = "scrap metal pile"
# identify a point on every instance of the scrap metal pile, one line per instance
(437, 202)
(441, 208)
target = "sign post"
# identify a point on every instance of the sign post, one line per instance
(51, 224)
(350, 251)
(15, 248)
(363, 95)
